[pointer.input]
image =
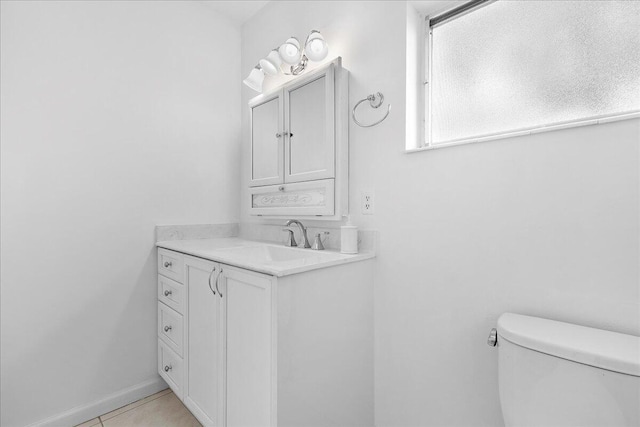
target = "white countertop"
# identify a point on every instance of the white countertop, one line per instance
(270, 258)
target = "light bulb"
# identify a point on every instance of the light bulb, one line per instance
(290, 51)
(316, 48)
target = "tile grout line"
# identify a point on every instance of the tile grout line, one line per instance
(135, 407)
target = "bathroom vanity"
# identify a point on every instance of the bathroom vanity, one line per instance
(255, 334)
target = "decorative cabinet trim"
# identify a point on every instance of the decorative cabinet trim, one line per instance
(301, 198)
(311, 197)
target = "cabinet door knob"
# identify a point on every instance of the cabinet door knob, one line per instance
(167, 264)
(167, 328)
(278, 135)
(281, 188)
(167, 293)
(167, 368)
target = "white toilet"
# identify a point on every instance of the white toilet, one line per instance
(558, 374)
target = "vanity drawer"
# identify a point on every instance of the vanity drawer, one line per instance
(171, 264)
(170, 327)
(170, 368)
(171, 293)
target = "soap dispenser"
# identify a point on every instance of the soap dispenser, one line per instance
(349, 238)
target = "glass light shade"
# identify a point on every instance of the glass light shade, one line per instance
(271, 64)
(316, 48)
(255, 79)
(290, 51)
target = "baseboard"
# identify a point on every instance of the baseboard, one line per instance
(109, 403)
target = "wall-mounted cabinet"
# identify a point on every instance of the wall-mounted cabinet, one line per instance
(299, 147)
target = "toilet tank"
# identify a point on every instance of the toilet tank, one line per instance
(559, 374)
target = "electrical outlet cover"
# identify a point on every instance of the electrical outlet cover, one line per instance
(368, 206)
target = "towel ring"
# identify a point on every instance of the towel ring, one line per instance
(372, 101)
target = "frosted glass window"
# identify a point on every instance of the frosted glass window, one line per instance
(517, 65)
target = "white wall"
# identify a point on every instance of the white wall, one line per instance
(116, 116)
(543, 225)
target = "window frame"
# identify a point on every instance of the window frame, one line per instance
(425, 60)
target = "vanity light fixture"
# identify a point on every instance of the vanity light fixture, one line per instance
(271, 64)
(293, 55)
(255, 79)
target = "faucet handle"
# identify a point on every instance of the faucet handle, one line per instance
(291, 240)
(317, 243)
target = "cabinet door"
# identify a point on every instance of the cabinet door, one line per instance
(267, 146)
(249, 348)
(309, 123)
(204, 352)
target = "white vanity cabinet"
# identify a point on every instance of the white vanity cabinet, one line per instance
(250, 362)
(215, 339)
(171, 325)
(228, 356)
(204, 351)
(260, 350)
(299, 147)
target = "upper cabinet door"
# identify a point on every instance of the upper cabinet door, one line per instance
(267, 145)
(309, 123)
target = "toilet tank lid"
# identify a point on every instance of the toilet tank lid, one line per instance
(603, 349)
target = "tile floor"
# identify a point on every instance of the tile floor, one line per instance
(162, 409)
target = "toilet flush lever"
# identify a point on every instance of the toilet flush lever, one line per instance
(493, 338)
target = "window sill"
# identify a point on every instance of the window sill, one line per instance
(550, 128)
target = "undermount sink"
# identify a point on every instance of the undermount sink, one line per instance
(262, 257)
(270, 254)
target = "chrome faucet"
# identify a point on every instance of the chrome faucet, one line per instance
(303, 230)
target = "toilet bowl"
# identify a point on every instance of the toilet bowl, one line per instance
(559, 374)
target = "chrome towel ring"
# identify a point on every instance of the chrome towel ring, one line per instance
(372, 101)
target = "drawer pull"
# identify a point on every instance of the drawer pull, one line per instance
(167, 264)
(281, 188)
(167, 328)
(167, 368)
(167, 293)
